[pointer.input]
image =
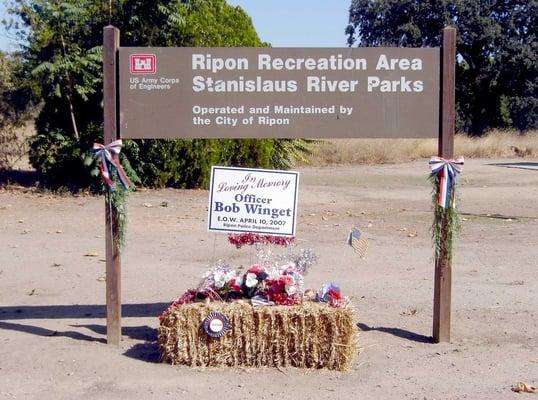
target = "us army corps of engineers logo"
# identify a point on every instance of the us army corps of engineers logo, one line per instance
(143, 63)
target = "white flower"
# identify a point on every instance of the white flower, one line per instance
(219, 278)
(230, 275)
(288, 268)
(290, 288)
(239, 280)
(251, 280)
(274, 273)
(299, 280)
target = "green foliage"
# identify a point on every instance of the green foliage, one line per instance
(444, 218)
(117, 204)
(187, 163)
(497, 70)
(64, 56)
(65, 161)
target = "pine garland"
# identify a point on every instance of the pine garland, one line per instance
(117, 201)
(116, 188)
(444, 217)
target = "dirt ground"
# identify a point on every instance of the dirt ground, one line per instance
(52, 289)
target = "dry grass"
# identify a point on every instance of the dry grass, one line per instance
(14, 146)
(497, 144)
(311, 335)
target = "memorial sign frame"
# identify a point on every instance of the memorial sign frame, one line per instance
(111, 124)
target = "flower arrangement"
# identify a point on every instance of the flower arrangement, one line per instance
(261, 315)
(270, 282)
(329, 293)
(249, 238)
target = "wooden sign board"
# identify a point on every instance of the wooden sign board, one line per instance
(278, 92)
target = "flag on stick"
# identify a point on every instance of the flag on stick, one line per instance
(358, 241)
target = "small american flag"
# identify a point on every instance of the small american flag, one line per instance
(257, 301)
(359, 243)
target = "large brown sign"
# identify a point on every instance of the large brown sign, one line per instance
(284, 92)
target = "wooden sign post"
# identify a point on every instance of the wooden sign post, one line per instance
(111, 44)
(275, 93)
(443, 267)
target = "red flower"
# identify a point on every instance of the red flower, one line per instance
(283, 299)
(255, 269)
(286, 280)
(234, 286)
(275, 286)
(335, 294)
(335, 297)
(240, 240)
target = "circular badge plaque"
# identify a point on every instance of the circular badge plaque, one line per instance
(216, 324)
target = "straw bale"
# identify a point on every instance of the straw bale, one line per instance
(310, 335)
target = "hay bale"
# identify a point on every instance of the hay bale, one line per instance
(310, 335)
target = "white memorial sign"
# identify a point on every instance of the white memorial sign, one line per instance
(253, 200)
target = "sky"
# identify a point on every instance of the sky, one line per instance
(299, 23)
(283, 23)
(6, 43)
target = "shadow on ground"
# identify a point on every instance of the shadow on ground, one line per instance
(147, 351)
(16, 177)
(142, 332)
(401, 333)
(79, 311)
(39, 331)
(521, 165)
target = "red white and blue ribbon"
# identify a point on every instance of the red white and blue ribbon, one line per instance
(446, 170)
(216, 324)
(110, 163)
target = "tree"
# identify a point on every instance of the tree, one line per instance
(64, 55)
(497, 81)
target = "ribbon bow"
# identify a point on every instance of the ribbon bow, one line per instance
(110, 163)
(447, 171)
